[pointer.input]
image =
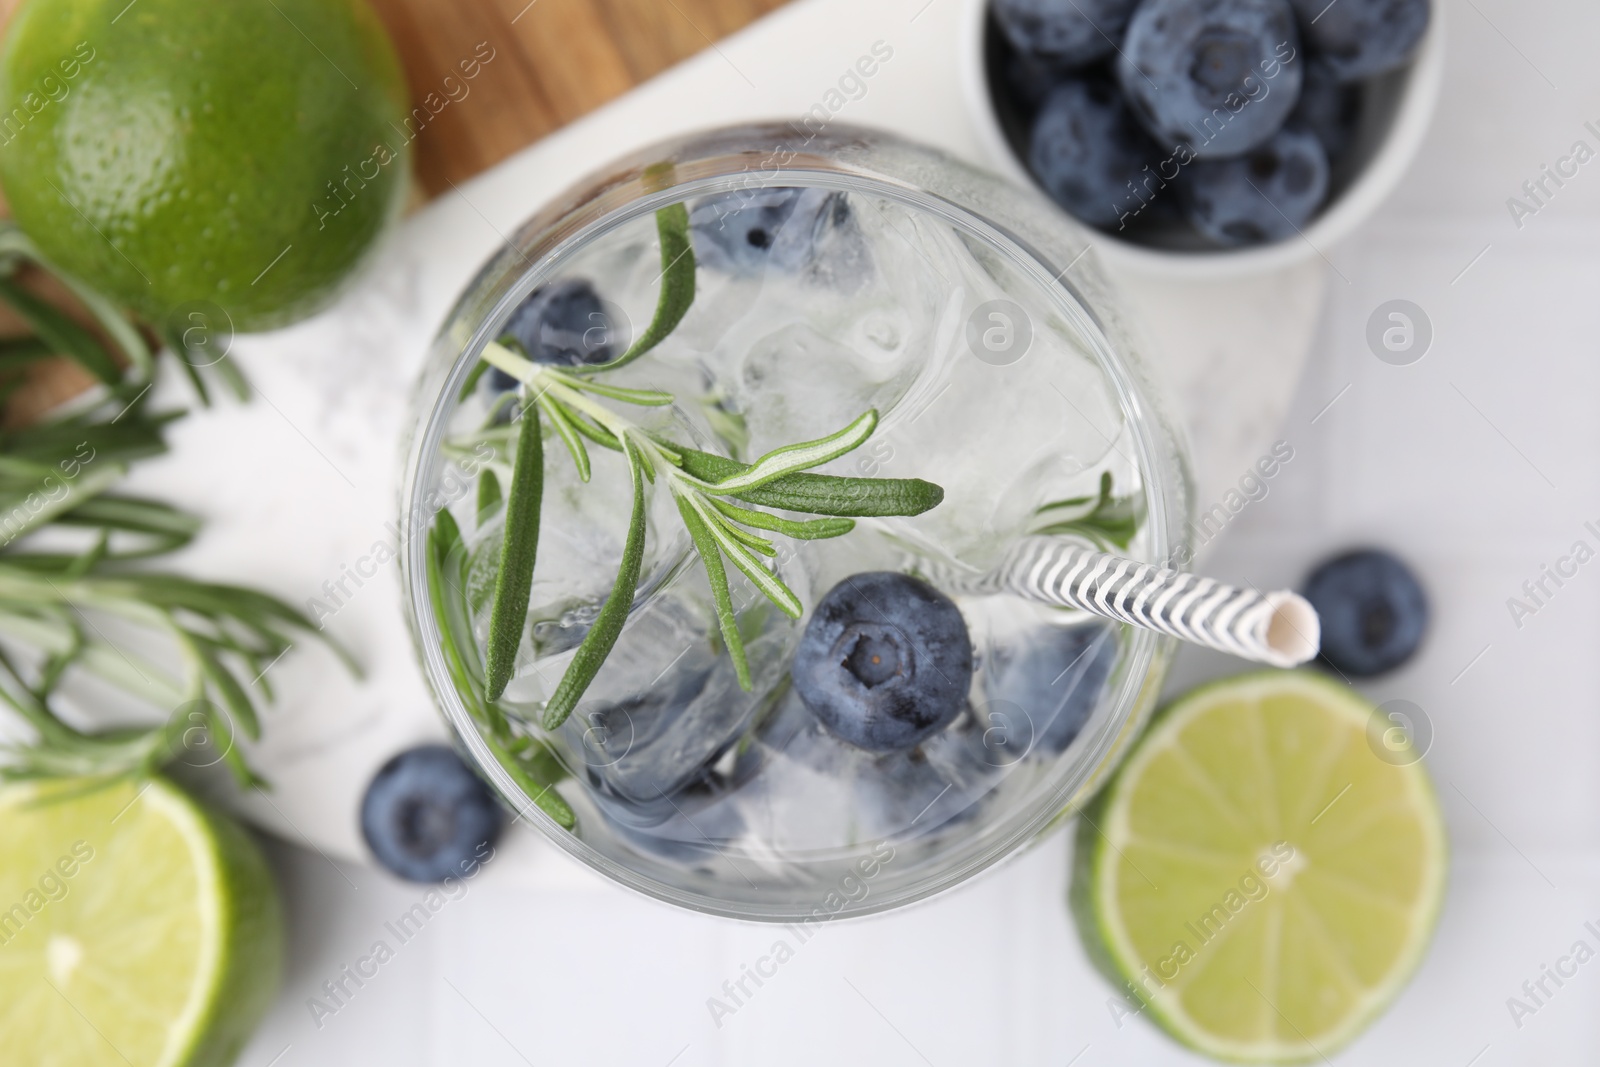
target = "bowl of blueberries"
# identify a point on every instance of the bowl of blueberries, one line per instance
(1206, 137)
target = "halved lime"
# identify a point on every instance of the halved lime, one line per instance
(1258, 875)
(135, 928)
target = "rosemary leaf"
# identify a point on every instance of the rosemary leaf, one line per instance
(88, 484)
(514, 585)
(228, 371)
(165, 526)
(746, 538)
(813, 530)
(540, 757)
(478, 370)
(791, 459)
(438, 596)
(822, 494)
(117, 326)
(19, 352)
(764, 580)
(488, 495)
(232, 694)
(652, 398)
(677, 286)
(1108, 521)
(717, 577)
(535, 776)
(60, 332)
(569, 435)
(599, 435)
(597, 643)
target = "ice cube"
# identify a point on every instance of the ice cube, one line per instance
(823, 793)
(797, 385)
(699, 836)
(666, 704)
(1041, 690)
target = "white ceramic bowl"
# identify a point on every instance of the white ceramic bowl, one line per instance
(1392, 127)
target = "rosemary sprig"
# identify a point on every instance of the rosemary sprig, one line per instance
(722, 532)
(55, 606)
(68, 545)
(1108, 521)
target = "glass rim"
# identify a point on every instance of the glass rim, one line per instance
(623, 192)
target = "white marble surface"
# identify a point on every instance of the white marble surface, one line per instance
(1478, 463)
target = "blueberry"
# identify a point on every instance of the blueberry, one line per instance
(1373, 611)
(885, 661)
(1219, 76)
(1069, 32)
(1089, 153)
(427, 817)
(1359, 38)
(1268, 195)
(748, 231)
(1328, 108)
(563, 323)
(1042, 693)
(1029, 79)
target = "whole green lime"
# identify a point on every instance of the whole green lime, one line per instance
(245, 154)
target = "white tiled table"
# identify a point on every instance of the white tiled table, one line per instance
(1479, 463)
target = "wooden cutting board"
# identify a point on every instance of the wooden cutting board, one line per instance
(557, 60)
(563, 59)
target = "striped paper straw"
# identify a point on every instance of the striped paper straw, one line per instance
(1278, 628)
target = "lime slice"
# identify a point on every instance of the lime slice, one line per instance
(1257, 876)
(136, 929)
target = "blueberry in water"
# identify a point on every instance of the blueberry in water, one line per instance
(1328, 108)
(1089, 153)
(1042, 693)
(1373, 611)
(427, 817)
(884, 662)
(563, 323)
(1268, 195)
(1069, 32)
(1360, 38)
(747, 231)
(1219, 76)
